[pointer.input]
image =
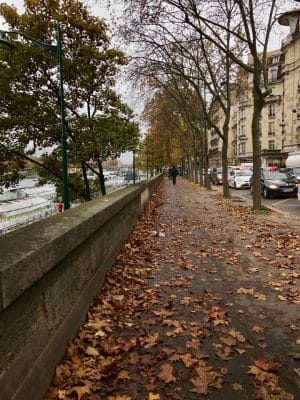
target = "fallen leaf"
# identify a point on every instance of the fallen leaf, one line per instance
(200, 386)
(257, 329)
(80, 391)
(237, 386)
(153, 396)
(123, 374)
(91, 351)
(166, 373)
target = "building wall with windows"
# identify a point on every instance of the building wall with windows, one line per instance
(280, 117)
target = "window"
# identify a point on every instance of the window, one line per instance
(242, 148)
(272, 110)
(242, 113)
(242, 130)
(271, 144)
(275, 59)
(271, 130)
(272, 75)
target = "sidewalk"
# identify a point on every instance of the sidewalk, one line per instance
(201, 304)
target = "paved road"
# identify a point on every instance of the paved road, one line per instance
(289, 205)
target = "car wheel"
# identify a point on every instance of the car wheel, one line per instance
(234, 185)
(266, 193)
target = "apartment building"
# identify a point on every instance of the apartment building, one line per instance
(280, 117)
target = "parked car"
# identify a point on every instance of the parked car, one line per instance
(216, 176)
(239, 179)
(276, 183)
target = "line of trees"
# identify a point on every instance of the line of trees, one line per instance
(99, 126)
(191, 53)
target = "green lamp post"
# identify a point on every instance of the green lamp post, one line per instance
(133, 166)
(6, 45)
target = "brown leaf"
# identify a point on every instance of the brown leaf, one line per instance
(257, 329)
(237, 335)
(150, 340)
(263, 376)
(200, 386)
(91, 351)
(188, 360)
(243, 290)
(166, 373)
(123, 374)
(224, 355)
(80, 391)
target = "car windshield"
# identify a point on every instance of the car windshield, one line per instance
(219, 170)
(244, 173)
(274, 175)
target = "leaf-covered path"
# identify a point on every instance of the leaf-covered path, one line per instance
(201, 304)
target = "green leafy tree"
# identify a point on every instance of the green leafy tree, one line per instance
(29, 99)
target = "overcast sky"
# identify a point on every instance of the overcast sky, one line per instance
(99, 8)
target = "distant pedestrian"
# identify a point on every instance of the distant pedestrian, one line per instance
(60, 206)
(174, 173)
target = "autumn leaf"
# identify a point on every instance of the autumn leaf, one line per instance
(243, 290)
(263, 376)
(80, 391)
(237, 335)
(123, 374)
(119, 398)
(200, 386)
(166, 373)
(224, 355)
(151, 340)
(257, 329)
(153, 396)
(91, 351)
(237, 386)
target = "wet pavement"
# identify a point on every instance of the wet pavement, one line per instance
(202, 303)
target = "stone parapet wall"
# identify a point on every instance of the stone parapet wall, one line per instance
(49, 273)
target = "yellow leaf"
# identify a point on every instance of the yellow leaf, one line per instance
(123, 374)
(153, 396)
(61, 394)
(237, 386)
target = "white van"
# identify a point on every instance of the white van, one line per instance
(293, 160)
(293, 167)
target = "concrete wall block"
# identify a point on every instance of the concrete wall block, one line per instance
(46, 312)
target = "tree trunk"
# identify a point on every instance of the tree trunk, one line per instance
(101, 178)
(86, 183)
(196, 166)
(225, 159)
(258, 103)
(206, 161)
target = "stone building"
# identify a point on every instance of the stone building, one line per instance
(280, 118)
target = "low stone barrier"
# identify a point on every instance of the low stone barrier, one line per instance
(49, 273)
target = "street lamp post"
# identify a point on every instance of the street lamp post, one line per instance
(133, 165)
(6, 45)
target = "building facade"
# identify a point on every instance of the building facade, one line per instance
(280, 117)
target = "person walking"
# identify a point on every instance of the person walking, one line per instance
(174, 173)
(60, 206)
